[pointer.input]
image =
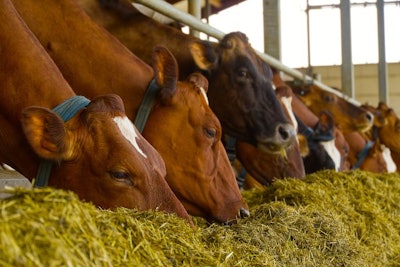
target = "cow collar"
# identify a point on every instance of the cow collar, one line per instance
(66, 110)
(146, 105)
(362, 155)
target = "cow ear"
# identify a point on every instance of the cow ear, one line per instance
(166, 73)
(326, 121)
(203, 54)
(199, 80)
(45, 132)
(109, 102)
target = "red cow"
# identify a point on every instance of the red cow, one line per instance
(96, 150)
(181, 125)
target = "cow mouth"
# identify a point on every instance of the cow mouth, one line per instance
(364, 127)
(272, 148)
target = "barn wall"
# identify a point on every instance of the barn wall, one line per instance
(366, 82)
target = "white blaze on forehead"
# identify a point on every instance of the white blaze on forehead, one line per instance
(203, 92)
(390, 165)
(129, 131)
(333, 152)
(287, 102)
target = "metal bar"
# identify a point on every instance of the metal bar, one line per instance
(347, 62)
(194, 8)
(365, 4)
(170, 11)
(309, 68)
(382, 66)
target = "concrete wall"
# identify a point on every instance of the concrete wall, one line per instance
(366, 82)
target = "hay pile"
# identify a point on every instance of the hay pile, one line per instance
(328, 219)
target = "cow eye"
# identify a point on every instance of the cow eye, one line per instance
(210, 132)
(121, 176)
(242, 73)
(329, 98)
(397, 125)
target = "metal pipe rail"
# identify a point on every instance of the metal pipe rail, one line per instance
(172, 12)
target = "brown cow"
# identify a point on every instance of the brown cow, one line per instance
(96, 150)
(181, 125)
(240, 91)
(365, 154)
(352, 120)
(347, 115)
(386, 128)
(386, 125)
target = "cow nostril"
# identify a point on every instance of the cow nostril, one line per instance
(284, 132)
(243, 213)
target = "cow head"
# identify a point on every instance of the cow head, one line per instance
(265, 167)
(347, 115)
(241, 93)
(100, 155)
(186, 132)
(323, 153)
(386, 125)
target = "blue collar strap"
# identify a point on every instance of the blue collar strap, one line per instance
(66, 110)
(146, 105)
(362, 155)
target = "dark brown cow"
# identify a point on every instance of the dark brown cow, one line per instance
(96, 150)
(181, 125)
(267, 167)
(240, 91)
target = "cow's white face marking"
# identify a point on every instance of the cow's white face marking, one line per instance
(203, 92)
(390, 165)
(333, 152)
(129, 131)
(287, 102)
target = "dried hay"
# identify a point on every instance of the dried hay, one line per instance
(327, 219)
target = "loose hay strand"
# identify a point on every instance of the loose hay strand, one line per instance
(327, 219)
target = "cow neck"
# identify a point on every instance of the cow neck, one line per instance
(146, 105)
(66, 110)
(230, 148)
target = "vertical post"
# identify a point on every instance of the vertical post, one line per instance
(207, 14)
(347, 62)
(309, 68)
(194, 8)
(272, 28)
(382, 67)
